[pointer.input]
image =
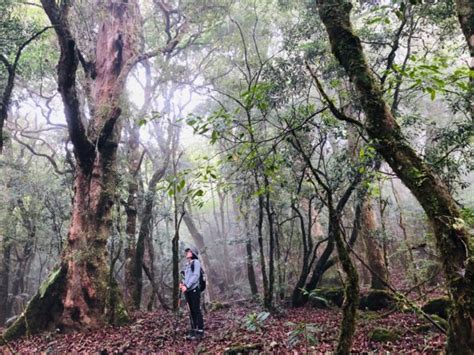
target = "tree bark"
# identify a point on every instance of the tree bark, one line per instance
(375, 256)
(465, 10)
(81, 288)
(261, 248)
(351, 295)
(5, 278)
(248, 246)
(250, 268)
(268, 297)
(450, 232)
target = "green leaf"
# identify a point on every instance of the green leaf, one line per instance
(432, 93)
(141, 122)
(399, 14)
(180, 186)
(198, 193)
(374, 20)
(214, 137)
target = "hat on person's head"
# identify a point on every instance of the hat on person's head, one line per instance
(193, 249)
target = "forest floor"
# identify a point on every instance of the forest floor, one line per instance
(237, 327)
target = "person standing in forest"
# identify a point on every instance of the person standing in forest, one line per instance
(191, 289)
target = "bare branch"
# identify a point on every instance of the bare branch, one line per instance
(48, 157)
(336, 112)
(246, 57)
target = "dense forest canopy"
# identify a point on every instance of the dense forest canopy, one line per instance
(301, 146)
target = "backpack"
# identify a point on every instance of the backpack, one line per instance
(202, 278)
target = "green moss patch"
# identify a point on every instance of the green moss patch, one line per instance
(383, 335)
(43, 308)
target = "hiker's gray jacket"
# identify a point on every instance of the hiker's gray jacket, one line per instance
(191, 278)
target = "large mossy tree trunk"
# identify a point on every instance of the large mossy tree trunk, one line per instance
(82, 293)
(451, 235)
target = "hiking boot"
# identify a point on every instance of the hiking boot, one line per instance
(199, 334)
(191, 335)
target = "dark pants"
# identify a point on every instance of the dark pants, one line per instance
(193, 298)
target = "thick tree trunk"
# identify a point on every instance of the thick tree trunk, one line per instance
(87, 288)
(375, 256)
(451, 235)
(81, 290)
